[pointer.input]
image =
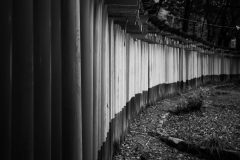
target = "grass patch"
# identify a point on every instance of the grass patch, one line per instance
(216, 146)
(192, 103)
(213, 142)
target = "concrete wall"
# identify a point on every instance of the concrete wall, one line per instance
(72, 80)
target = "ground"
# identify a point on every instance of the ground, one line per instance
(215, 125)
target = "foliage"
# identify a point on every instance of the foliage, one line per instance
(204, 13)
(213, 142)
(190, 104)
(162, 14)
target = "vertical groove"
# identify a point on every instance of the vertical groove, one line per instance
(56, 82)
(5, 81)
(22, 80)
(42, 79)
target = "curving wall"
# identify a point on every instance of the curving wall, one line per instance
(72, 80)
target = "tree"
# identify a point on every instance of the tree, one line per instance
(186, 16)
(206, 18)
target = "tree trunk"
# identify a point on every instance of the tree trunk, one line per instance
(209, 31)
(186, 16)
(205, 17)
(194, 28)
(202, 27)
(238, 42)
(221, 12)
(222, 34)
(226, 41)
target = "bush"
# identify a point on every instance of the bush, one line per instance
(213, 142)
(194, 103)
(190, 104)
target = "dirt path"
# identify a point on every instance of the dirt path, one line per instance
(217, 124)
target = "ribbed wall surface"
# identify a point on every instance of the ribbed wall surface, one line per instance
(72, 80)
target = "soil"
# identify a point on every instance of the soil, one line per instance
(215, 125)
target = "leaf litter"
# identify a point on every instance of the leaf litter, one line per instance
(216, 125)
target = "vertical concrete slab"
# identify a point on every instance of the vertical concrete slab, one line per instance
(184, 71)
(104, 76)
(91, 37)
(87, 78)
(42, 79)
(186, 57)
(96, 73)
(124, 83)
(116, 77)
(22, 80)
(111, 81)
(100, 79)
(71, 81)
(181, 71)
(6, 78)
(56, 81)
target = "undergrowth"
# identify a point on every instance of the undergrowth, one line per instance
(215, 144)
(191, 103)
